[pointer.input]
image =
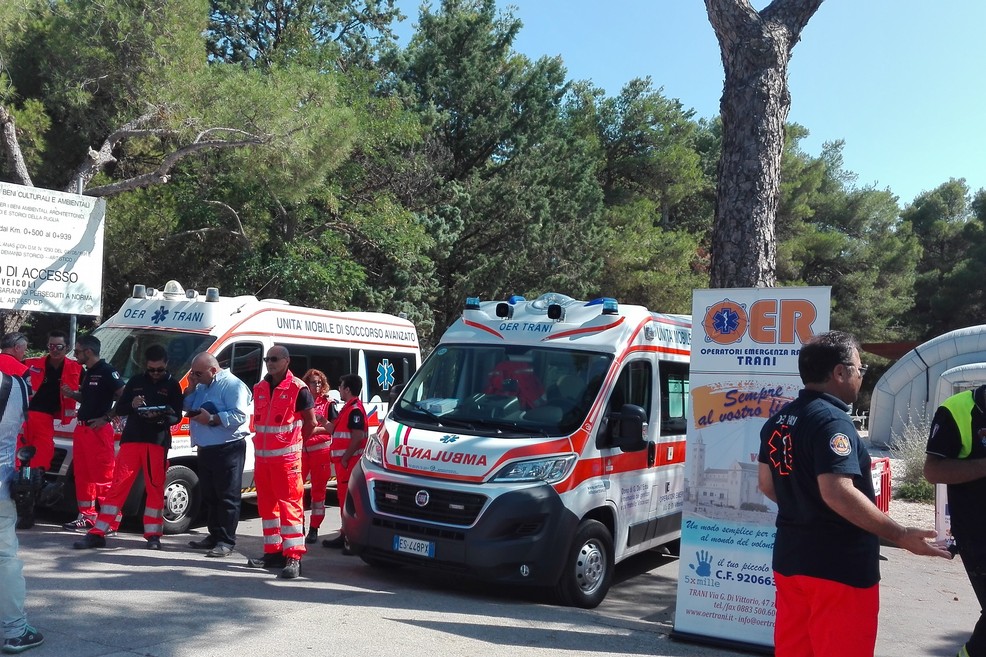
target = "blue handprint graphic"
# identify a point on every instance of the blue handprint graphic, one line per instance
(704, 564)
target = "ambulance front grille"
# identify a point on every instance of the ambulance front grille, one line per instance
(445, 506)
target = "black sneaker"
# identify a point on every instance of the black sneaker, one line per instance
(90, 541)
(347, 551)
(336, 543)
(221, 550)
(292, 570)
(154, 543)
(25, 521)
(271, 560)
(30, 639)
(81, 522)
(312, 535)
(206, 543)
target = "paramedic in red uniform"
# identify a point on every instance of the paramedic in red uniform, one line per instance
(48, 374)
(315, 459)
(92, 441)
(13, 348)
(826, 557)
(348, 441)
(283, 418)
(144, 449)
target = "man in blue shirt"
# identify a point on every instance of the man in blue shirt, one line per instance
(219, 407)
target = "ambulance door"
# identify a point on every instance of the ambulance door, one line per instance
(244, 360)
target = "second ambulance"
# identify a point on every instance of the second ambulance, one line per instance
(540, 443)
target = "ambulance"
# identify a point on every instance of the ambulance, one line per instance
(382, 349)
(541, 443)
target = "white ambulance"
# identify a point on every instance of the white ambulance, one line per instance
(382, 349)
(540, 443)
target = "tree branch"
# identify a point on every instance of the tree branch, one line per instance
(12, 147)
(98, 160)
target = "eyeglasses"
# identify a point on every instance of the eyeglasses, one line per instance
(862, 368)
(271, 359)
(55, 347)
(79, 352)
(156, 370)
(194, 373)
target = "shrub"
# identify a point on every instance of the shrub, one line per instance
(908, 447)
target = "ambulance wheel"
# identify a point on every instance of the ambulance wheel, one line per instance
(588, 569)
(181, 499)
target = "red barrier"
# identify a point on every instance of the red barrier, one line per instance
(880, 471)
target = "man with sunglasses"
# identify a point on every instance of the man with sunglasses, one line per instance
(826, 559)
(283, 418)
(48, 374)
(151, 402)
(92, 441)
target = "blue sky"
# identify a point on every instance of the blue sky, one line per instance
(900, 81)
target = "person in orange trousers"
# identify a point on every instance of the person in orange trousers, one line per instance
(316, 460)
(348, 441)
(92, 441)
(283, 417)
(151, 402)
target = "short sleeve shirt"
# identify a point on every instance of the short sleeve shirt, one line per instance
(965, 500)
(811, 436)
(99, 384)
(357, 420)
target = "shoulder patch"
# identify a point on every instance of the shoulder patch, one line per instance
(840, 444)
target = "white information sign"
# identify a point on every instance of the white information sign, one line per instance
(51, 251)
(744, 368)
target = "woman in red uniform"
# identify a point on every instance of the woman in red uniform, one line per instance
(315, 457)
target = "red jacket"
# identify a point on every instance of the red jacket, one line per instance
(71, 374)
(275, 421)
(341, 435)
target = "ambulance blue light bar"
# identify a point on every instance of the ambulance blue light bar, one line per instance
(472, 303)
(610, 307)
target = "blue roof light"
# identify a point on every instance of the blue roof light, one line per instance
(515, 299)
(610, 307)
(472, 303)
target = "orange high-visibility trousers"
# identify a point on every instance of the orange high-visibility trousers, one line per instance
(39, 431)
(280, 502)
(317, 464)
(133, 459)
(92, 459)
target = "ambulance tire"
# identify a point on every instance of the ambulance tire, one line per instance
(588, 569)
(181, 499)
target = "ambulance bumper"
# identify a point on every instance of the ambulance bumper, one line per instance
(520, 537)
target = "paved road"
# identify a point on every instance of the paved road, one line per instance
(126, 600)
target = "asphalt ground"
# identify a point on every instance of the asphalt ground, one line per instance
(127, 600)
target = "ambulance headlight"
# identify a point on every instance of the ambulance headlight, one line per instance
(373, 452)
(550, 470)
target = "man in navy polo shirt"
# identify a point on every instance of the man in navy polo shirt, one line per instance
(826, 554)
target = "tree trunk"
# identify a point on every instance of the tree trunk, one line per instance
(755, 48)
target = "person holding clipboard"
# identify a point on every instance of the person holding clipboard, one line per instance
(152, 403)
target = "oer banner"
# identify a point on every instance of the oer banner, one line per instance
(744, 368)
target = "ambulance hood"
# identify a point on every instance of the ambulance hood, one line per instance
(462, 456)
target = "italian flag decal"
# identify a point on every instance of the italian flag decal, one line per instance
(401, 437)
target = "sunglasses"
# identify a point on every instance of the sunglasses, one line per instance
(272, 359)
(55, 347)
(156, 370)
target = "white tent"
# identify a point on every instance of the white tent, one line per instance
(916, 385)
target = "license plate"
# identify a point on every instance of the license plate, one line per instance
(414, 546)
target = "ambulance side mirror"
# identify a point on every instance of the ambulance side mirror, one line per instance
(629, 428)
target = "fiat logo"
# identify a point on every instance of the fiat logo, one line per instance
(421, 498)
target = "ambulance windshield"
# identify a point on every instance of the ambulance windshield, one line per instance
(124, 348)
(514, 390)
